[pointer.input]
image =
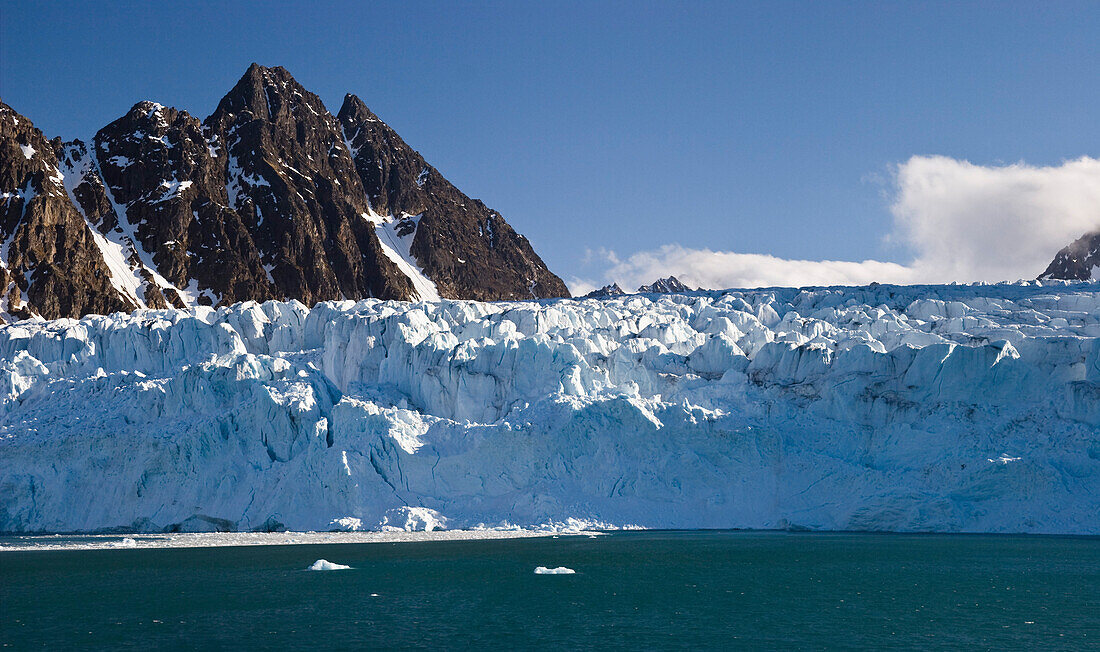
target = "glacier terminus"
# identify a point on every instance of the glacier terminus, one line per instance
(960, 408)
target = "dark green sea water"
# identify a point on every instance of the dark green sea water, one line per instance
(635, 590)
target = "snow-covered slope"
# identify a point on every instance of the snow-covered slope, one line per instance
(950, 408)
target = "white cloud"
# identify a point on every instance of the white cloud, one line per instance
(969, 222)
(963, 222)
(579, 287)
(723, 269)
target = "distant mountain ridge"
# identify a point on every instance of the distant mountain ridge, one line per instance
(270, 197)
(612, 290)
(667, 285)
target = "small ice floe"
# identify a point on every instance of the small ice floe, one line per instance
(126, 542)
(560, 570)
(324, 564)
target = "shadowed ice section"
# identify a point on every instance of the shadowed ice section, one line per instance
(948, 408)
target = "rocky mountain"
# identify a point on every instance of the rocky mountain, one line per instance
(51, 263)
(1079, 261)
(465, 247)
(612, 290)
(271, 196)
(668, 285)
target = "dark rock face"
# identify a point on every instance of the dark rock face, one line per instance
(461, 244)
(269, 197)
(612, 290)
(667, 285)
(1078, 261)
(289, 172)
(156, 164)
(50, 264)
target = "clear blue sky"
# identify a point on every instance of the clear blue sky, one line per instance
(749, 127)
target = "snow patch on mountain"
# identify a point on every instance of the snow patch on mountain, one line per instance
(128, 262)
(922, 408)
(172, 188)
(238, 183)
(396, 237)
(75, 167)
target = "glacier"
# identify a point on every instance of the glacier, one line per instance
(956, 408)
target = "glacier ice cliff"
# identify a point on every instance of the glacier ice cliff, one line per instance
(916, 408)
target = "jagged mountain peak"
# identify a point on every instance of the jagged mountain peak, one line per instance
(276, 77)
(147, 119)
(353, 111)
(270, 197)
(393, 173)
(149, 110)
(612, 290)
(495, 261)
(667, 285)
(267, 93)
(256, 70)
(355, 107)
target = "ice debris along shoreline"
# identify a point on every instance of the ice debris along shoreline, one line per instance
(234, 539)
(915, 408)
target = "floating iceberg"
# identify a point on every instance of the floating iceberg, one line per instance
(560, 570)
(917, 408)
(325, 565)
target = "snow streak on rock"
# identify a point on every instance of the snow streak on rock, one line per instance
(947, 408)
(396, 237)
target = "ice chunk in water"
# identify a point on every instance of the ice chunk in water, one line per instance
(560, 570)
(324, 565)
